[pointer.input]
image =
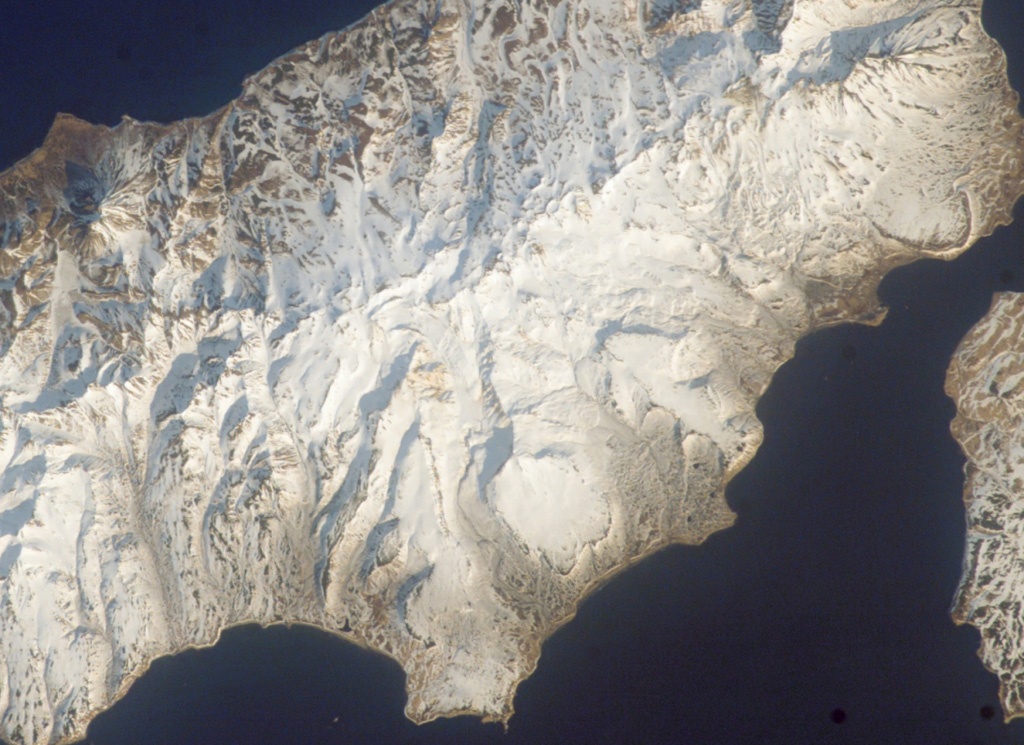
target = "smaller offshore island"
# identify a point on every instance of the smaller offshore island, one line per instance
(455, 313)
(986, 379)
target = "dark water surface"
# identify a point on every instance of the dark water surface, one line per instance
(821, 617)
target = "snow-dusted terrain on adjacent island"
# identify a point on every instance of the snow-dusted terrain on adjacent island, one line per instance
(450, 316)
(986, 379)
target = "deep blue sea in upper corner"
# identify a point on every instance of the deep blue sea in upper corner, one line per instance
(831, 592)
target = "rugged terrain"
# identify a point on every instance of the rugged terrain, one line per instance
(986, 379)
(450, 316)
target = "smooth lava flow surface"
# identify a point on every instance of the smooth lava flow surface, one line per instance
(821, 617)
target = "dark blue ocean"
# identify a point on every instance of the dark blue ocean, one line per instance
(827, 601)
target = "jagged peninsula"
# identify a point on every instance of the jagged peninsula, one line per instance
(986, 380)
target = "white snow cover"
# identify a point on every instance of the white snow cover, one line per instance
(450, 316)
(986, 379)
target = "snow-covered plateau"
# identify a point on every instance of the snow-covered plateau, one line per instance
(449, 317)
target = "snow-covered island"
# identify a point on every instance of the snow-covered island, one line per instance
(449, 317)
